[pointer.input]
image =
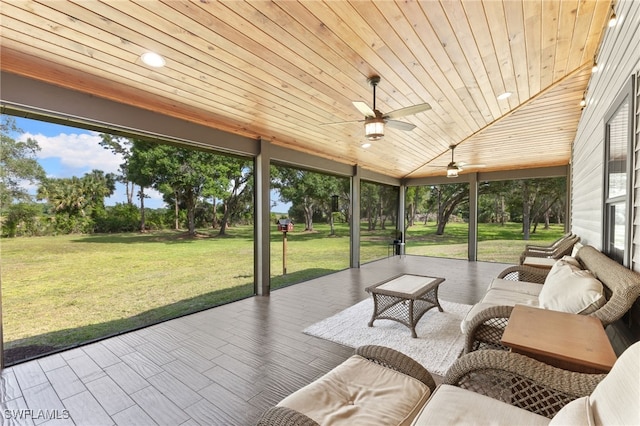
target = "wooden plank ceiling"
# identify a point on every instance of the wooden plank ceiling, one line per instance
(282, 70)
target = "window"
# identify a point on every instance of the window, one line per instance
(617, 176)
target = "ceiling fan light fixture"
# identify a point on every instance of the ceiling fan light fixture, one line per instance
(452, 170)
(374, 129)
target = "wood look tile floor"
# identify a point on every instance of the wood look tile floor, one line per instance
(222, 366)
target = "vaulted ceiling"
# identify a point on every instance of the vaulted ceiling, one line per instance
(283, 70)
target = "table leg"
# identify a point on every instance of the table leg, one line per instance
(412, 320)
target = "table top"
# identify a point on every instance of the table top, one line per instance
(579, 339)
(539, 262)
(408, 286)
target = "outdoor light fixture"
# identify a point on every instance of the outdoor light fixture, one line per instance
(452, 170)
(614, 19)
(595, 66)
(583, 102)
(153, 59)
(374, 128)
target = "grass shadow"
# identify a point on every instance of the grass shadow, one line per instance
(49, 343)
(297, 277)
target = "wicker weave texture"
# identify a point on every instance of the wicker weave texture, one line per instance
(524, 273)
(623, 284)
(520, 381)
(398, 361)
(283, 416)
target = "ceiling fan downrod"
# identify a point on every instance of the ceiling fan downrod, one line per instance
(373, 81)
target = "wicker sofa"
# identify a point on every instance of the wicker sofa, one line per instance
(485, 322)
(484, 387)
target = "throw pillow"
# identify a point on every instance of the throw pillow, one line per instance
(569, 289)
(571, 260)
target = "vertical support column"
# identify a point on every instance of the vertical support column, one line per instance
(355, 218)
(400, 225)
(400, 221)
(1, 334)
(472, 244)
(568, 194)
(262, 253)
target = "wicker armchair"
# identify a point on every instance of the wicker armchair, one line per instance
(562, 248)
(520, 381)
(380, 355)
(551, 246)
(487, 386)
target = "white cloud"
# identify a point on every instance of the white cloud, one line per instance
(76, 151)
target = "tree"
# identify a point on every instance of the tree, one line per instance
(77, 201)
(121, 146)
(186, 177)
(18, 163)
(310, 191)
(234, 186)
(448, 198)
(416, 197)
(139, 170)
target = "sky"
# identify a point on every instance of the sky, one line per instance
(70, 151)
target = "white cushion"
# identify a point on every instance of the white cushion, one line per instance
(360, 392)
(571, 260)
(577, 412)
(576, 247)
(450, 405)
(569, 289)
(532, 289)
(498, 297)
(615, 400)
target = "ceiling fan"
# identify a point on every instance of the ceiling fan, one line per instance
(374, 120)
(453, 168)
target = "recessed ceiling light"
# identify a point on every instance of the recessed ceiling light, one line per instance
(366, 145)
(505, 95)
(153, 59)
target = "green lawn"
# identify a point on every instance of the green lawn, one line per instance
(64, 290)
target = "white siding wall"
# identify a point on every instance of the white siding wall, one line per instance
(635, 255)
(618, 59)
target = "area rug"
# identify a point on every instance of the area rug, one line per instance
(438, 345)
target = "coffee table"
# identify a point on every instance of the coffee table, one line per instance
(405, 299)
(568, 341)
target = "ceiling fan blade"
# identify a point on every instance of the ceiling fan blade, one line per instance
(400, 125)
(364, 109)
(341, 122)
(463, 164)
(408, 111)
